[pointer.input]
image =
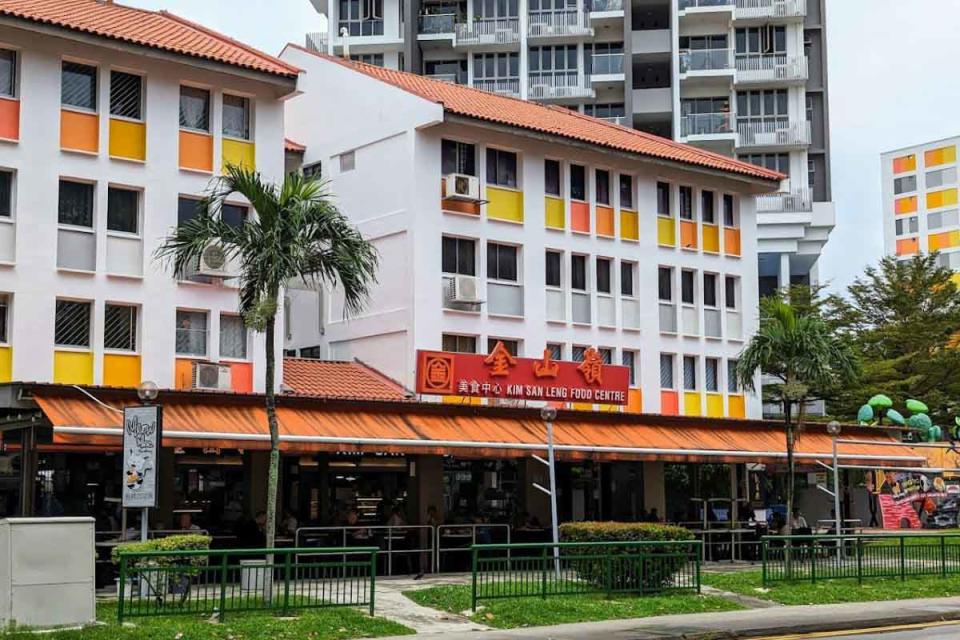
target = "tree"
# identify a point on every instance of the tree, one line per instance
(794, 345)
(297, 235)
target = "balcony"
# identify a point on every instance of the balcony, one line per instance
(777, 68)
(767, 9)
(705, 5)
(776, 133)
(606, 64)
(434, 26)
(559, 24)
(623, 121)
(559, 86)
(317, 41)
(606, 6)
(361, 28)
(452, 78)
(706, 125)
(488, 32)
(796, 200)
(507, 87)
(706, 61)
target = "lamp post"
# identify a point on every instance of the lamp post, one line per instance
(548, 414)
(147, 392)
(834, 430)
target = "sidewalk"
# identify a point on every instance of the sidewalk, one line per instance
(737, 624)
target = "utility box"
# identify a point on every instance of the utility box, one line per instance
(47, 572)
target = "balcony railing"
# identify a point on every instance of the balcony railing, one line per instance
(438, 24)
(697, 4)
(606, 5)
(693, 60)
(797, 200)
(361, 28)
(705, 124)
(559, 85)
(770, 68)
(452, 78)
(317, 41)
(544, 24)
(507, 87)
(487, 31)
(774, 133)
(606, 63)
(753, 9)
(620, 120)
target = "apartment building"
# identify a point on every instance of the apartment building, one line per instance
(499, 220)
(919, 186)
(746, 78)
(113, 122)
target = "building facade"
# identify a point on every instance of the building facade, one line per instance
(919, 187)
(746, 78)
(577, 233)
(109, 140)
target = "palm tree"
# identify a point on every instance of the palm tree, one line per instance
(297, 235)
(795, 346)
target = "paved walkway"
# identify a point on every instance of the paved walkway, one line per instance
(392, 604)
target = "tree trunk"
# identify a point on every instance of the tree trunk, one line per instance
(274, 473)
(790, 435)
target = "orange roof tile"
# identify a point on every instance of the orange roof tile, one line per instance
(337, 379)
(154, 29)
(474, 103)
(290, 145)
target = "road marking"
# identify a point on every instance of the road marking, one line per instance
(854, 632)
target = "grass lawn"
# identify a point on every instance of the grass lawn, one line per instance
(534, 611)
(832, 591)
(338, 623)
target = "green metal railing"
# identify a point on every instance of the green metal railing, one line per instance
(160, 583)
(574, 568)
(831, 557)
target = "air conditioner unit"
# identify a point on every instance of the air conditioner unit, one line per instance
(463, 290)
(460, 186)
(213, 262)
(209, 375)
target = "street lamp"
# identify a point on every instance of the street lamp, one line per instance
(148, 391)
(833, 428)
(548, 414)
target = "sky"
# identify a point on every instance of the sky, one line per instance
(892, 82)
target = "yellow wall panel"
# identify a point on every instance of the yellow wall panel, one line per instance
(715, 405)
(629, 225)
(239, 153)
(691, 403)
(128, 139)
(945, 240)
(905, 205)
(711, 238)
(6, 364)
(553, 213)
(943, 155)
(943, 198)
(737, 407)
(73, 367)
(121, 370)
(504, 204)
(666, 232)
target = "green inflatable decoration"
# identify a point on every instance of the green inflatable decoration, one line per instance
(896, 417)
(865, 415)
(920, 421)
(934, 434)
(880, 402)
(915, 406)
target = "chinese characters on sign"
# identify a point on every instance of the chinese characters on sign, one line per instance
(141, 446)
(503, 375)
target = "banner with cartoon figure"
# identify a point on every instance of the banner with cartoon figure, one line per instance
(141, 446)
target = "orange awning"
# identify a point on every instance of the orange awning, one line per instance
(192, 419)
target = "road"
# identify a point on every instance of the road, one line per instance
(936, 631)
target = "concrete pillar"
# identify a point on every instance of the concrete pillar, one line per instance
(654, 492)
(535, 502)
(783, 275)
(425, 487)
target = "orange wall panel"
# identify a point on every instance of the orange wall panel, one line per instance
(457, 206)
(241, 377)
(183, 374)
(908, 246)
(669, 403)
(196, 151)
(634, 401)
(605, 221)
(904, 164)
(905, 205)
(580, 216)
(79, 131)
(731, 241)
(688, 234)
(9, 119)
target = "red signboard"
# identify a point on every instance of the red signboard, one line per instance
(502, 375)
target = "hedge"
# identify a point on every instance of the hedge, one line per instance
(622, 532)
(185, 542)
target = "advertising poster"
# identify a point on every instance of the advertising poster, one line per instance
(141, 447)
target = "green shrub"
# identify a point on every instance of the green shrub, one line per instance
(647, 569)
(185, 542)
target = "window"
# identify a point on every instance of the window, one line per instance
(690, 373)
(376, 59)
(629, 360)
(666, 371)
(502, 168)
(754, 41)
(730, 292)
(458, 157)
(626, 192)
(686, 203)
(4, 316)
(551, 178)
(234, 215)
(556, 350)
(6, 193)
(361, 17)
(236, 116)
(187, 209)
(936, 220)
(729, 213)
(773, 161)
(709, 290)
(614, 111)
(663, 199)
(626, 278)
(579, 353)
(906, 226)
(935, 179)
(233, 337)
(191, 333)
(78, 86)
(500, 9)
(553, 269)
(194, 108)
(76, 204)
(513, 346)
(494, 67)
(459, 256)
(686, 287)
(603, 186)
(768, 106)
(313, 170)
(578, 272)
(711, 374)
(909, 183)
(348, 161)
(459, 344)
(733, 380)
(501, 262)
(72, 324)
(606, 355)
(126, 95)
(123, 210)
(8, 73)
(665, 284)
(120, 327)
(578, 182)
(706, 207)
(603, 275)
(557, 61)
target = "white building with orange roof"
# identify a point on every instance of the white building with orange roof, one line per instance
(501, 220)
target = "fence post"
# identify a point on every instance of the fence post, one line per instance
(903, 558)
(286, 583)
(763, 562)
(223, 586)
(608, 575)
(473, 587)
(373, 580)
(859, 560)
(943, 556)
(123, 587)
(813, 561)
(697, 559)
(543, 574)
